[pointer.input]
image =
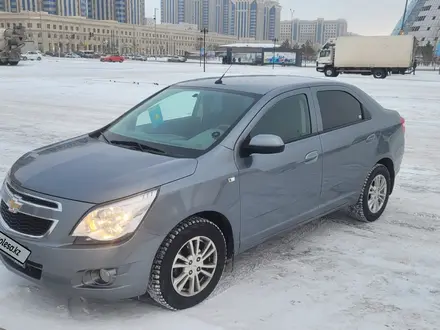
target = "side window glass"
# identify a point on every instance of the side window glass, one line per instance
(176, 106)
(289, 119)
(338, 109)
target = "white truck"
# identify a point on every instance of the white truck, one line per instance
(11, 42)
(376, 55)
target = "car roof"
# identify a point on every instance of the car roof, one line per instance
(258, 84)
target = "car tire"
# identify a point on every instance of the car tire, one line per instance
(24, 58)
(38, 58)
(378, 183)
(164, 286)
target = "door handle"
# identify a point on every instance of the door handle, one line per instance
(311, 157)
(371, 138)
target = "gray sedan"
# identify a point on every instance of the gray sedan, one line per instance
(156, 202)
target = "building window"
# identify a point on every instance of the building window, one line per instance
(48, 26)
(421, 18)
(60, 27)
(54, 27)
(49, 35)
(77, 28)
(426, 8)
(39, 34)
(415, 28)
(29, 25)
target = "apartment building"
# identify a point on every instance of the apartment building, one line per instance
(315, 31)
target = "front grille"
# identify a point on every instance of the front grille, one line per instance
(31, 199)
(31, 269)
(23, 223)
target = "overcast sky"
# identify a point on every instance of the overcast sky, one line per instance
(368, 17)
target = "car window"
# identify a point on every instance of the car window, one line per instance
(178, 105)
(183, 121)
(289, 119)
(338, 109)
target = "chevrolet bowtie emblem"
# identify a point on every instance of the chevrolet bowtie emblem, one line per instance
(14, 205)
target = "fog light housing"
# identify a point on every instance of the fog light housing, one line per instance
(99, 277)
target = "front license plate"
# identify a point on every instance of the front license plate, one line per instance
(12, 249)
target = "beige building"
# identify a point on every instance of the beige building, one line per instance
(316, 32)
(65, 34)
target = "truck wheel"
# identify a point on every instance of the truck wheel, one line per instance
(329, 71)
(188, 264)
(379, 73)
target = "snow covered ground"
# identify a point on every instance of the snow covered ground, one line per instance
(334, 273)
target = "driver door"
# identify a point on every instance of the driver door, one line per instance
(281, 190)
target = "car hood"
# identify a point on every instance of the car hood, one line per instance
(88, 170)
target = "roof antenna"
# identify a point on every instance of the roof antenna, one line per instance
(219, 80)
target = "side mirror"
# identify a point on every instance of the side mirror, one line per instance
(265, 144)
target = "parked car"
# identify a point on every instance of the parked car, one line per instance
(72, 55)
(112, 58)
(32, 56)
(139, 58)
(176, 59)
(192, 176)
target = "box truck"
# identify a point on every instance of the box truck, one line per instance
(377, 55)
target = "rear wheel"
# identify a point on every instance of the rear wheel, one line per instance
(13, 62)
(374, 196)
(380, 73)
(188, 265)
(24, 58)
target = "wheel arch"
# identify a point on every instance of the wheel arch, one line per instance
(388, 163)
(225, 226)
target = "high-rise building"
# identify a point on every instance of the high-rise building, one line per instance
(422, 20)
(258, 19)
(316, 32)
(123, 11)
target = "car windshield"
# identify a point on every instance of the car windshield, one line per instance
(181, 122)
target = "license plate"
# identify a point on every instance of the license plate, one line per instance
(13, 250)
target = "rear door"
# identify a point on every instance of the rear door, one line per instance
(349, 144)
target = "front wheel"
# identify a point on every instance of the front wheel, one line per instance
(24, 58)
(188, 264)
(374, 196)
(329, 71)
(38, 58)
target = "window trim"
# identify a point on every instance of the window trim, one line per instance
(366, 115)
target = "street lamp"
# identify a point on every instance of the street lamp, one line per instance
(204, 31)
(274, 46)
(403, 18)
(155, 33)
(200, 39)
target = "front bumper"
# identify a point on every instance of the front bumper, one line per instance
(60, 265)
(62, 269)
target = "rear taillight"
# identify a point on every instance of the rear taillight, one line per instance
(402, 122)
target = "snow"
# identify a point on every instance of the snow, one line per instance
(334, 273)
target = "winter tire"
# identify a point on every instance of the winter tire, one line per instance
(374, 196)
(188, 264)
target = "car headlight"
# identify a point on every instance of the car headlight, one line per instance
(113, 221)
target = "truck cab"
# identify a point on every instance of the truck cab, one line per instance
(326, 55)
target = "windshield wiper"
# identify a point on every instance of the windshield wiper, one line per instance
(138, 146)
